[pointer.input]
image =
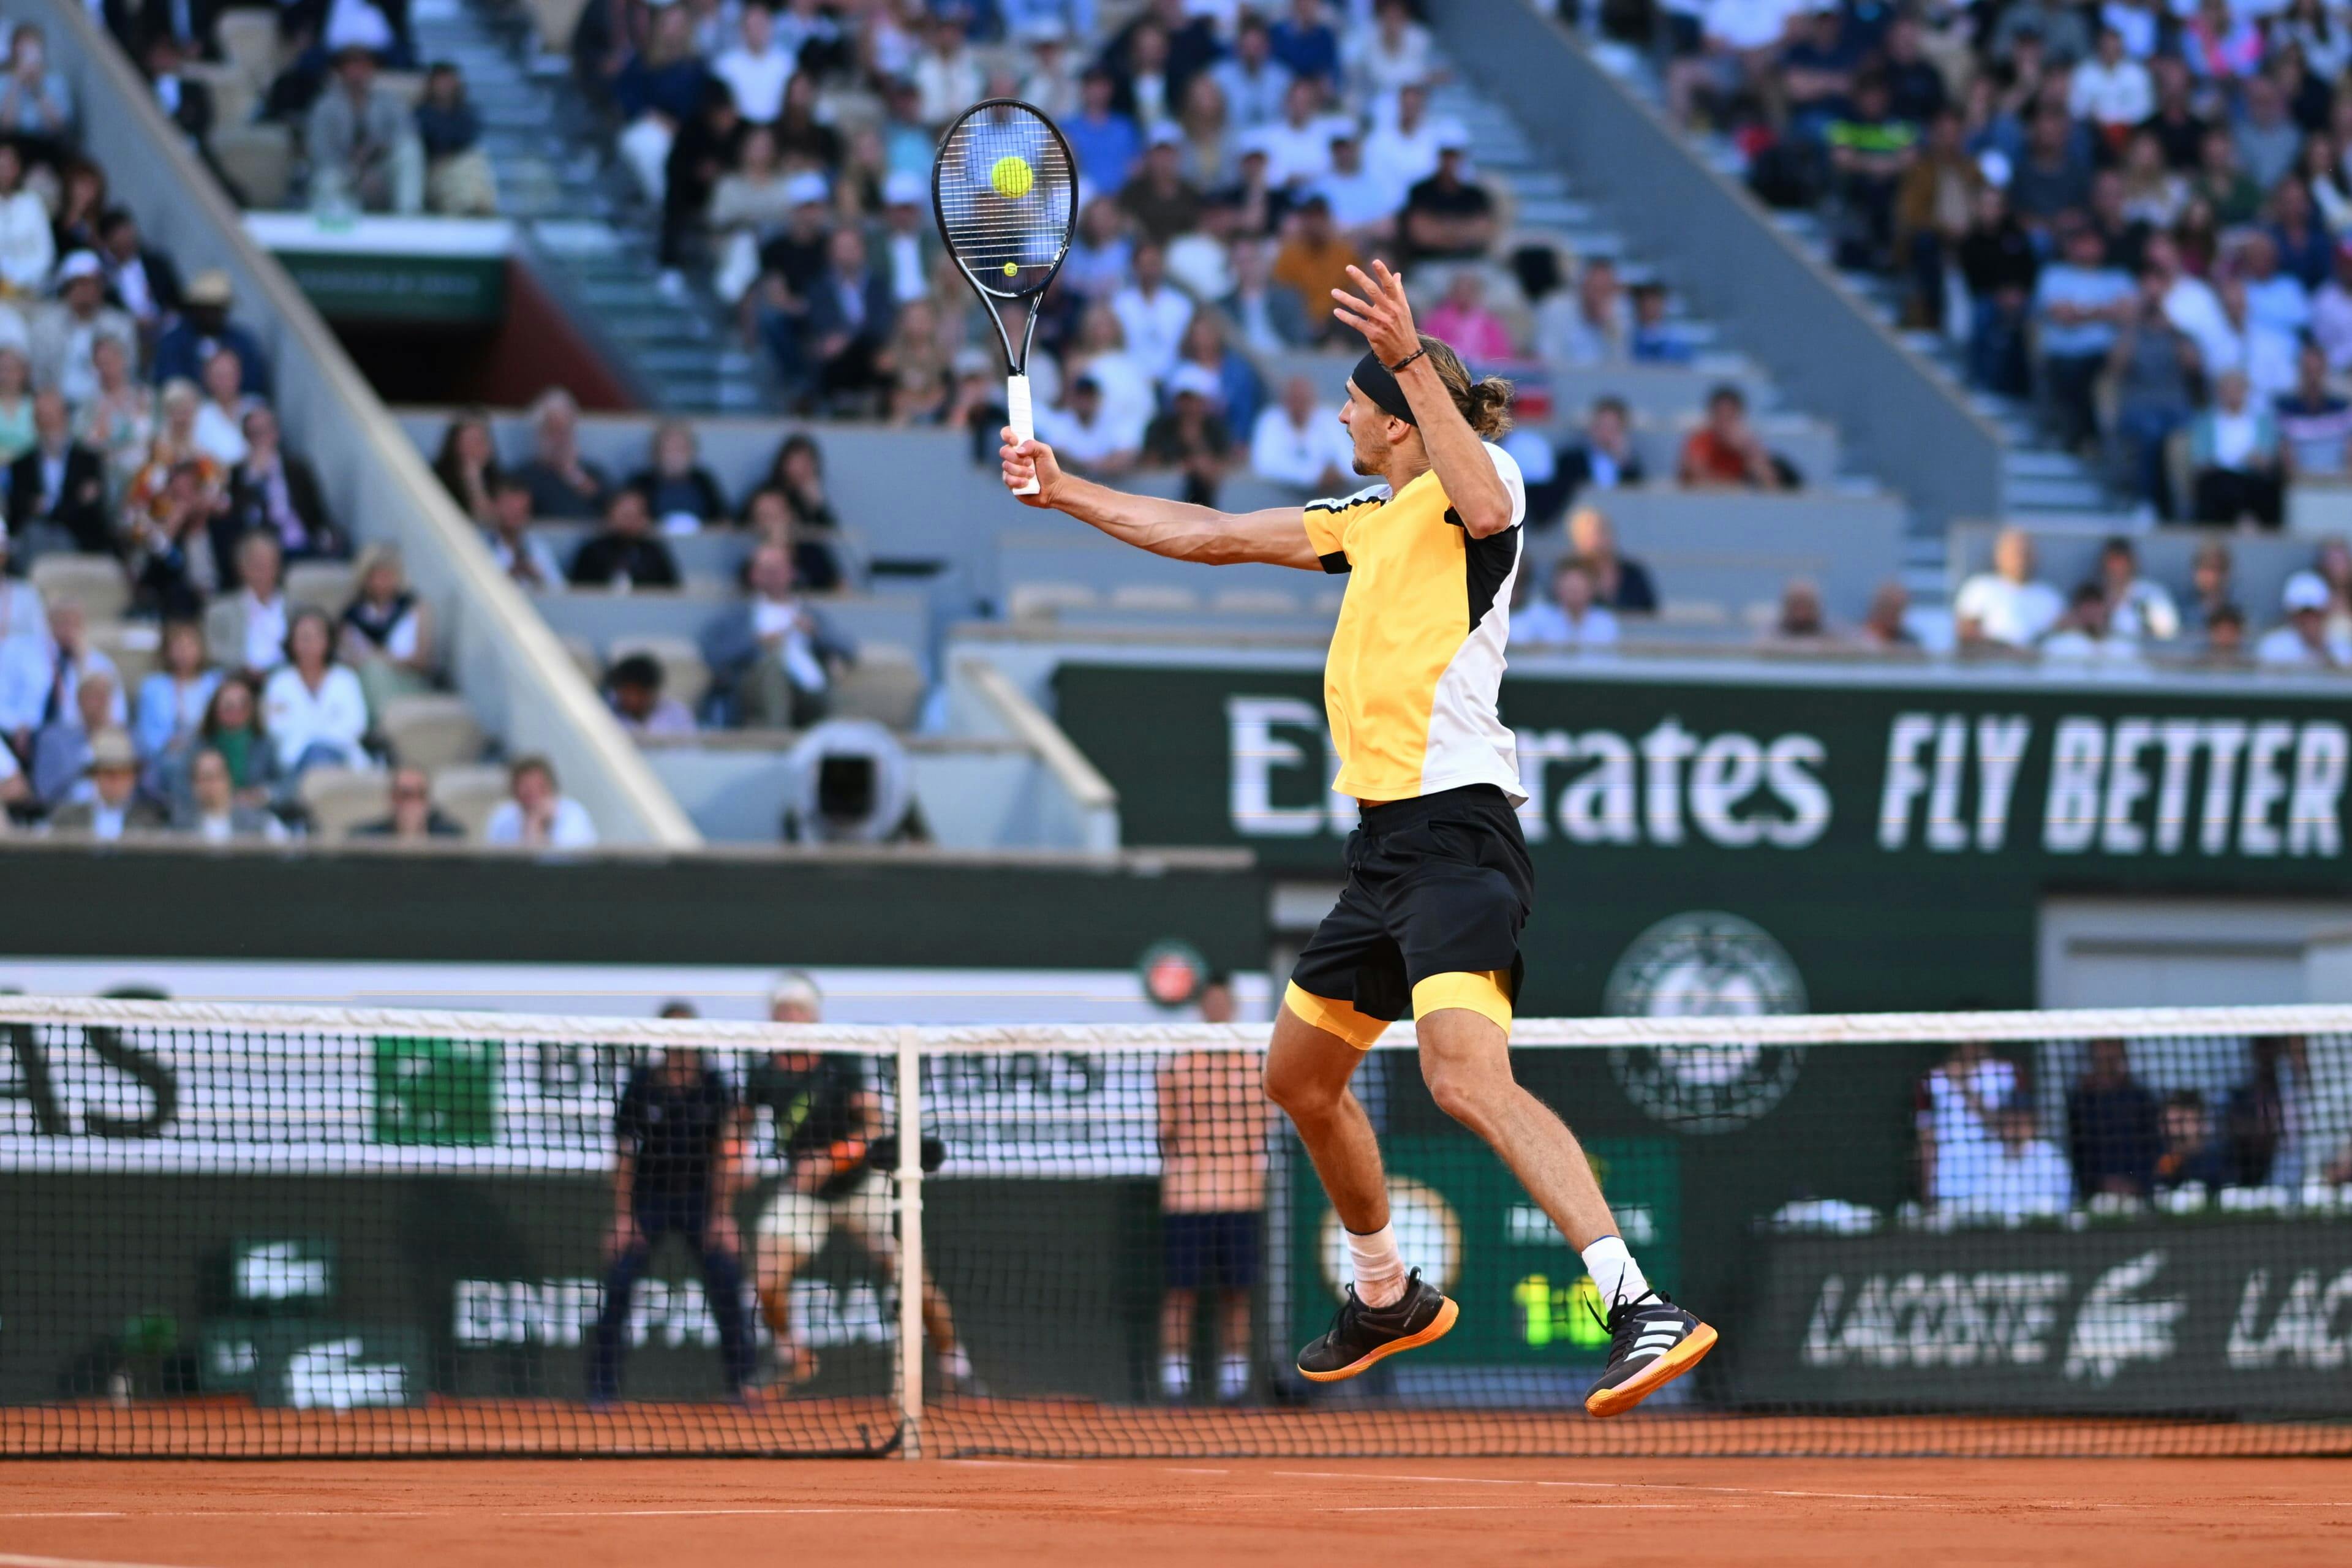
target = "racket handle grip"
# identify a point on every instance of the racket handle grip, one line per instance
(1022, 417)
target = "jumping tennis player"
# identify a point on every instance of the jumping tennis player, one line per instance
(1438, 880)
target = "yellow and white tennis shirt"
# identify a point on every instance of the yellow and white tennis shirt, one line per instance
(1416, 662)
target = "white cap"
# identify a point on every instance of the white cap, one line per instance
(902, 189)
(2306, 591)
(1198, 379)
(1453, 137)
(79, 264)
(1165, 133)
(794, 988)
(1994, 165)
(806, 186)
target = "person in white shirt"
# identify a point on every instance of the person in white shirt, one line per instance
(1104, 354)
(314, 708)
(2137, 609)
(2018, 1174)
(1151, 313)
(758, 67)
(1298, 441)
(2274, 299)
(2190, 302)
(2331, 313)
(1403, 152)
(520, 553)
(1956, 1132)
(252, 635)
(220, 418)
(2264, 353)
(1085, 433)
(28, 246)
(1394, 53)
(1568, 618)
(1298, 146)
(537, 813)
(40, 677)
(1361, 203)
(2084, 635)
(20, 602)
(947, 77)
(2005, 606)
(2304, 643)
(2111, 88)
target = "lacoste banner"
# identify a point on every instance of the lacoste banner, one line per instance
(1891, 832)
(2248, 1317)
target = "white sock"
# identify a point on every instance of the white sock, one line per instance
(1175, 1375)
(1233, 1377)
(955, 1365)
(1379, 1271)
(1614, 1273)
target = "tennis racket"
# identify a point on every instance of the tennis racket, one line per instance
(1005, 191)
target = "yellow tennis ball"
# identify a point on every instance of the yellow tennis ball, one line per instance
(1012, 268)
(1012, 176)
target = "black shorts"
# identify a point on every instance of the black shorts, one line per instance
(1203, 1251)
(1435, 885)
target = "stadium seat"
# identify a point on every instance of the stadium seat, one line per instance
(1255, 602)
(431, 731)
(471, 792)
(322, 584)
(249, 43)
(234, 92)
(1154, 598)
(95, 582)
(259, 159)
(684, 674)
(135, 646)
(584, 659)
(405, 86)
(556, 19)
(884, 685)
(340, 799)
(1043, 601)
(1693, 613)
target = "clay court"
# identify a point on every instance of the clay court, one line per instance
(520, 1514)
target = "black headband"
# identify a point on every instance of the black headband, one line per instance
(1373, 380)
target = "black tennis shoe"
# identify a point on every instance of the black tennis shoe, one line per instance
(1651, 1341)
(1360, 1335)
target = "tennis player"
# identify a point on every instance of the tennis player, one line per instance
(1438, 880)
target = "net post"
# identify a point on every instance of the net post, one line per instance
(910, 1244)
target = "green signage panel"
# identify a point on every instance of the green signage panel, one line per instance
(439, 1092)
(390, 287)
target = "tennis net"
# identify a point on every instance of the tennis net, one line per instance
(250, 1231)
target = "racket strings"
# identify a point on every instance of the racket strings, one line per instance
(1006, 195)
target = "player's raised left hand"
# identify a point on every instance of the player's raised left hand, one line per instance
(1379, 311)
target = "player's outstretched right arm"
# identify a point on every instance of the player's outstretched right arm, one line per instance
(1175, 528)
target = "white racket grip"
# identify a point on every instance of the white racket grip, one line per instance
(1024, 420)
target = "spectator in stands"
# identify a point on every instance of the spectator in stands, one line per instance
(186, 100)
(2333, 562)
(757, 66)
(633, 689)
(775, 656)
(2225, 637)
(63, 333)
(277, 491)
(37, 108)
(314, 707)
(246, 629)
(909, 240)
(2304, 643)
(2138, 608)
(2190, 1155)
(1449, 216)
(1152, 313)
(657, 90)
(1957, 1105)
(386, 636)
(118, 420)
(2331, 313)
(173, 566)
(1656, 339)
(1602, 459)
(624, 554)
(113, 806)
(203, 326)
(212, 813)
(41, 676)
(28, 247)
(173, 444)
(2113, 1133)
(56, 491)
(704, 147)
(2152, 370)
(1801, 622)
(1268, 315)
(459, 179)
(2211, 587)
(1313, 261)
(467, 462)
(1298, 441)
(1191, 436)
(414, 818)
(2243, 342)
(1253, 82)
(2000, 264)
(2112, 90)
(1570, 618)
(753, 198)
(1463, 319)
(1298, 144)
(537, 813)
(2006, 608)
(680, 492)
(61, 749)
(2235, 464)
(1885, 625)
(1726, 452)
(17, 430)
(2080, 303)
(233, 726)
(1240, 393)
(1105, 142)
(361, 144)
(1086, 433)
(1395, 52)
(2266, 1123)
(219, 431)
(21, 614)
(947, 77)
(1871, 147)
(1593, 327)
(2314, 423)
(1213, 1171)
(1363, 204)
(798, 474)
(172, 700)
(850, 314)
(1619, 582)
(563, 485)
(1306, 44)
(520, 553)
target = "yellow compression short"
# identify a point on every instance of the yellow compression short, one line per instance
(1485, 992)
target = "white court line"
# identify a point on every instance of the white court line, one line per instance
(18, 1560)
(1472, 1507)
(482, 1513)
(1600, 1485)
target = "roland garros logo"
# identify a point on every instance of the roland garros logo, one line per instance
(1704, 965)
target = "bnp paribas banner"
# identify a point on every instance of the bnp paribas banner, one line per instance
(1890, 834)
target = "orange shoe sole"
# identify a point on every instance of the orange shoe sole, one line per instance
(1439, 1327)
(1604, 1402)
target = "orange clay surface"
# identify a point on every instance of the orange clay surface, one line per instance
(521, 1513)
